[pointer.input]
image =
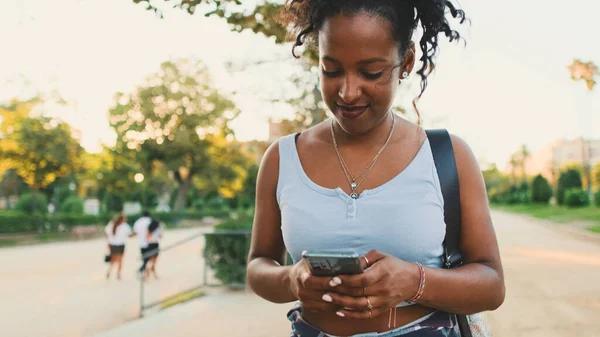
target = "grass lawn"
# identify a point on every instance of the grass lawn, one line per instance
(557, 214)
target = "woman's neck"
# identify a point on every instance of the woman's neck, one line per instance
(374, 137)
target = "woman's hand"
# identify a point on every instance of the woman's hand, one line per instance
(310, 290)
(387, 282)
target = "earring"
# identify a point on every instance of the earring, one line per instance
(405, 75)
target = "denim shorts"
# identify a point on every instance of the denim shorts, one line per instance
(436, 324)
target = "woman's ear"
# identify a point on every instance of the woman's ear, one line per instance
(408, 60)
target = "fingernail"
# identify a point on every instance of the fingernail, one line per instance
(333, 284)
(337, 280)
(341, 314)
(327, 298)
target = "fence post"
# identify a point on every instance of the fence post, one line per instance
(141, 275)
(205, 276)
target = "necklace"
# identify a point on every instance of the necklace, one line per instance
(355, 182)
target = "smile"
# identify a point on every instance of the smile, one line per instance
(351, 112)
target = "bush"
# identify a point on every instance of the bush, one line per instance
(226, 250)
(597, 199)
(72, 205)
(27, 202)
(576, 197)
(567, 180)
(32, 223)
(541, 191)
(517, 195)
(20, 222)
(199, 204)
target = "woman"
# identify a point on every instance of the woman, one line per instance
(117, 232)
(152, 236)
(365, 181)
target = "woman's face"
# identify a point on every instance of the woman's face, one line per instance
(360, 70)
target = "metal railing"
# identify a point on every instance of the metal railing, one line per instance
(143, 306)
(148, 254)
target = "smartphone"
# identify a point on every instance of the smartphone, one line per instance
(332, 264)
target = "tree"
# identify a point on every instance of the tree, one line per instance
(541, 191)
(584, 71)
(39, 149)
(173, 118)
(596, 177)
(260, 19)
(514, 163)
(11, 184)
(569, 179)
(523, 156)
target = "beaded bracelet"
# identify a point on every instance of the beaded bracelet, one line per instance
(421, 284)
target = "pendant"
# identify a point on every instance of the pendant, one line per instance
(353, 195)
(353, 185)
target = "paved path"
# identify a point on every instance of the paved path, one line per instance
(552, 278)
(60, 289)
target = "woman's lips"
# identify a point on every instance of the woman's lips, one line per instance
(352, 112)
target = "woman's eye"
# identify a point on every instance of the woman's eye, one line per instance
(330, 73)
(375, 76)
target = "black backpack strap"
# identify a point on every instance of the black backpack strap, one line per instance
(443, 156)
(445, 163)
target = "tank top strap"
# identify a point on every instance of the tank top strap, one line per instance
(287, 169)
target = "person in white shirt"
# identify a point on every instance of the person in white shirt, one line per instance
(153, 235)
(140, 228)
(117, 232)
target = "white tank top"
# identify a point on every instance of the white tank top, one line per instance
(403, 217)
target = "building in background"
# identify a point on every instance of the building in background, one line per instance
(549, 160)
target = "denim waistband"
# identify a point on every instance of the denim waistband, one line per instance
(438, 321)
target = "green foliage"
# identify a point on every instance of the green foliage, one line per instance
(576, 197)
(32, 203)
(568, 179)
(25, 148)
(541, 191)
(199, 204)
(216, 203)
(19, 222)
(179, 120)
(226, 250)
(261, 19)
(597, 198)
(511, 196)
(27, 223)
(72, 205)
(113, 202)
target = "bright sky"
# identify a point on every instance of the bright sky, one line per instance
(508, 87)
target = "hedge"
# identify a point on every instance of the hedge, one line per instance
(226, 249)
(17, 222)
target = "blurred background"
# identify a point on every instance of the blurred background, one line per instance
(130, 105)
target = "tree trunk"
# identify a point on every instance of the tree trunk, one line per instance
(184, 187)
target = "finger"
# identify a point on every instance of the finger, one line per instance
(366, 279)
(309, 305)
(305, 294)
(319, 282)
(371, 256)
(355, 303)
(362, 314)
(378, 288)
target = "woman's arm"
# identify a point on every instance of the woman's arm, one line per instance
(267, 274)
(478, 285)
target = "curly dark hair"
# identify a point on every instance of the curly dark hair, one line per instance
(304, 19)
